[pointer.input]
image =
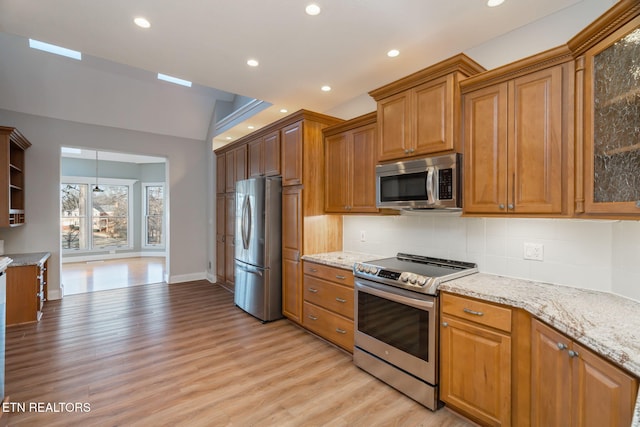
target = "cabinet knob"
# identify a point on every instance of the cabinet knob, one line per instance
(510, 205)
(406, 151)
(561, 346)
(573, 353)
(638, 204)
(412, 150)
(445, 324)
(501, 205)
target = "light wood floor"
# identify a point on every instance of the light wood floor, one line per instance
(183, 354)
(82, 277)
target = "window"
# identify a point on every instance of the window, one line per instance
(153, 215)
(95, 220)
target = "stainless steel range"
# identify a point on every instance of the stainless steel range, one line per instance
(396, 319)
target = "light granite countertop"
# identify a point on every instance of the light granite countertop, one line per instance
(607, 324)
(341, 259)
(35, 258)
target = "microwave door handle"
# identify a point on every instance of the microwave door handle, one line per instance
(430, 186)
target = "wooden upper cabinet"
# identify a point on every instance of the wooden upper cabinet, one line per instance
(264, 155)
(292, 154)
(221, 173)
(255, 160)
(350, 159)
(419, 114)
(236, 166)
(608, 181)
(12, 167)
(517, 140)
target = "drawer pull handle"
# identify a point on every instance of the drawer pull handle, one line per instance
(312, 317)
(342, 300)
(340, 277)
(475, 313)
(313, 270)
(341, 331)
(445, 324)
(313, 290)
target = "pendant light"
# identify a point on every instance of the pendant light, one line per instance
(97, 189)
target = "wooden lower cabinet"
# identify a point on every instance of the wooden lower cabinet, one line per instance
(26, 290)
(329, 303)
(572, 386)
(475, 359)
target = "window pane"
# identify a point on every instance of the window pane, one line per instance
(73, 198)
(109, 216)
(154, 204)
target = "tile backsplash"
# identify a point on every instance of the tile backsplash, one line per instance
(592, 254)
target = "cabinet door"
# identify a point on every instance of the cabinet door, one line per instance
(271, 143)
(337, 183)
(611, 117)
(550, 377)
(22, 289)
(240, 164)
(256, 158)
(485, 145)
(220, 237)
(363, 170)
(394, 127)
(292, 154)
(535, 143)
(291, 252)
(603, 394)
(229, 248)
(230, 172)
(220, 174)
(475, 371)
(433, 116)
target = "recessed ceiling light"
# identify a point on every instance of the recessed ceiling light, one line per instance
(228, 138)
(494, 3)
(284, 110)
(52, 48)
(393, 53)
(252, 63)
(326, 88)
(312, 9)
(142, 22)
(175, 80)
(251, 127)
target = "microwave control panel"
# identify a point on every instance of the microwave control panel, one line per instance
(445, 184)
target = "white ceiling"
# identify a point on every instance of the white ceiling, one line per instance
(209, 42)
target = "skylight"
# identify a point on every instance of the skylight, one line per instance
(52, 48)
(175, 80)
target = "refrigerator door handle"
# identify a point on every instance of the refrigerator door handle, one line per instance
(251, 270)
(246, 222)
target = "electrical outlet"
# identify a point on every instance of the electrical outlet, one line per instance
(533, 251)
(363, 236)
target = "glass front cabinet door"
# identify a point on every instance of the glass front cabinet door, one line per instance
(608, 145)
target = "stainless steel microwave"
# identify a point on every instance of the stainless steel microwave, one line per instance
(428, 183)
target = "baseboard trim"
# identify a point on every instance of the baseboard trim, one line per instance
(188, 277)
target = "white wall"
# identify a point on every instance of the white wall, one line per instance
(599, 255)
(187, 192)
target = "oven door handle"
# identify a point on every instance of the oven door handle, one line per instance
(413, 302)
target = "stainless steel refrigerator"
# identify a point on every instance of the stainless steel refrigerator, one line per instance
(258, 254)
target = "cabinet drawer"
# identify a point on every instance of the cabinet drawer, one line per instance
(477, 311)
(338, 275)
(328, 325)
(329, 295)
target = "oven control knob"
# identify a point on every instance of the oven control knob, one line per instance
(404, 277)
(421, 280)
(413, 278)
(359, 267)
